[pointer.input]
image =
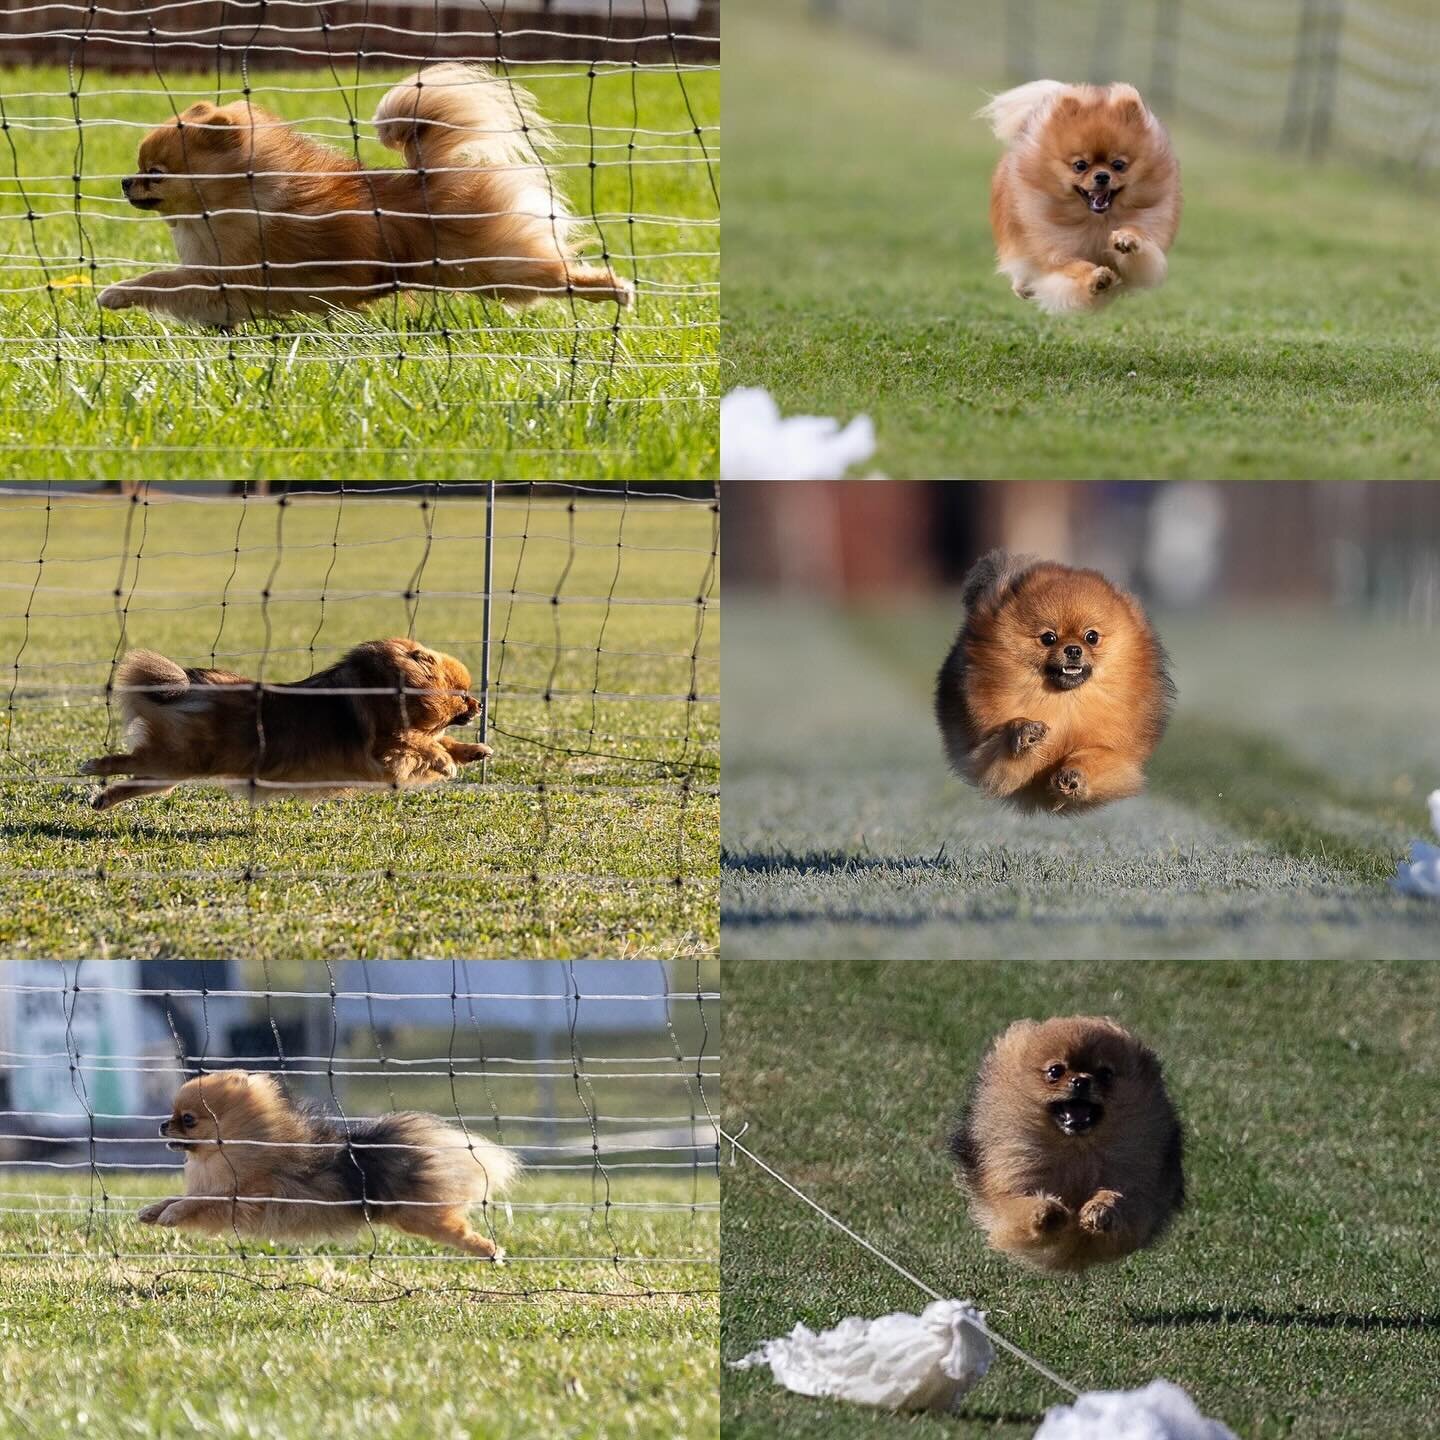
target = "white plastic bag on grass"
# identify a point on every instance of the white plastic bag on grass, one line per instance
(1161, 1411)
(1421, 875)
(756, 444)
(898, 1362)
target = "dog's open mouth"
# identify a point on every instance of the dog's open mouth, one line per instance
(1076, 1117)
(1098, 200)
(1067, 677)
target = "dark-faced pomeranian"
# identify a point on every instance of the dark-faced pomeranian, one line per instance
(378, 716)
(1056, 690)
(1069, 1149)
(253, 1159)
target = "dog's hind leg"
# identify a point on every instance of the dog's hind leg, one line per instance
(117, 794)
(445, 1227)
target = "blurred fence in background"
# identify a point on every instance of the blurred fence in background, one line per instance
(1359, 78)
(1363, 546)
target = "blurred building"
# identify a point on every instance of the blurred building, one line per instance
(1357, 544)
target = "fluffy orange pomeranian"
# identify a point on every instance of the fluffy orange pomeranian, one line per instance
(258, 1164)
(1056, 691)
(267, 222)
(1069, 1148)
(375, 716)
(1085, 202)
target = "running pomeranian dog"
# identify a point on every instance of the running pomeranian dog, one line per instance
(1056, 691)
(267, 222)
(258, 1164)
(376, 716)
(1085, 202)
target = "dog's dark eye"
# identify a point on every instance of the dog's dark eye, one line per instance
(1119, 166)
(1092, 637)
(187, 1119)
(1081, 166)
(417, 654)
(1049, 638)
(1054, 1072)
(1104, 1074)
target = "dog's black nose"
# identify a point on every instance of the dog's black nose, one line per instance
(164, 1127)
(1073, 652)
(1102, 179)
(126, 183)
(1080, 1086)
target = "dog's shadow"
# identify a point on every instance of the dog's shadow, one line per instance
(80, 832)
(826, 862)
(1308, 1319)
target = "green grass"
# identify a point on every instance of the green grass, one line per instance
(1295, 1296)
(1277, 807)
(192, 1340)
(596, 802)
(1295, 337)
(556, 391)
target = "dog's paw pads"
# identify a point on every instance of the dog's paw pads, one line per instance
(1098, 1216)
(1101, 279)
(1031, 733)
(1069, 781)
(1125, 242)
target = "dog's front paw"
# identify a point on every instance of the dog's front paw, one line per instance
(117, 297)
(151, 1214)
(624, 293)
(1127, 242)
(1026, 734)
(1101, 279)
(1070, 783)
(1099, 1214)
(1048, 1216)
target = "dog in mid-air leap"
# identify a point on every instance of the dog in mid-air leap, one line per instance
(378, 715)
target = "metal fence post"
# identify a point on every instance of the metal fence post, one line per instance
(1162, 61)
(1297, 107)
(486, 607)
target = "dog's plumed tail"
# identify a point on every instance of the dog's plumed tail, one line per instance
(145, 682)
(403, 1151)
(457, 114)
(1011, 111)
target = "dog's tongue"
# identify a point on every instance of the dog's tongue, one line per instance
(1100, 201)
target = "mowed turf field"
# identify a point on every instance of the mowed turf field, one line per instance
(461, 387)
(595, 831)
(185, 1337)
(1292, 779)
(1295, 1296)
(1295, 337)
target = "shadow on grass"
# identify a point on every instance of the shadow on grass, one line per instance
(78, 831)
(1307, 1319)
(828, 862)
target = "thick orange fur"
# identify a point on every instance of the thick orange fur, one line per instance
(1015, 724)
(1052, 242)
(211, 724)
(258, 1165)
(1065, 1201)
(267, 222)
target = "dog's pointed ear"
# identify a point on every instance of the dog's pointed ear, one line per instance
(1068, 104)
(1126, 102)
(203, 113)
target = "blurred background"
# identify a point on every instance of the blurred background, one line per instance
(1371, 547)
(1302, 621)
(1352, 77)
